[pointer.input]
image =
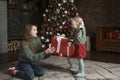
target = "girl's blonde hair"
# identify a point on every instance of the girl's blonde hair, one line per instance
(78, 20)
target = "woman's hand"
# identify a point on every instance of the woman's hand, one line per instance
(53, 49)
(50, 50)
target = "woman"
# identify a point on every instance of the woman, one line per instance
(31, 52)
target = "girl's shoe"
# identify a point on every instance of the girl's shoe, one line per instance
(79, 75)
(12, 70)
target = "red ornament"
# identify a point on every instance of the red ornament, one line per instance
(65, 26)
(66, 14)
(46, 24)
(43, 40)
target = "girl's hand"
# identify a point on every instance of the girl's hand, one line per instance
(78, 37)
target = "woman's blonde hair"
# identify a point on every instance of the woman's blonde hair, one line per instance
(78, 20)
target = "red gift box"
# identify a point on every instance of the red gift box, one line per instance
(62, 47)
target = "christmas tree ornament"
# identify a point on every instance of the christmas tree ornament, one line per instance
(59, 4)
(60, 27)
(63, 22)
(77, 14)
(44, 15)
(58, 10)
(49, 20)
(50, 33)
(72, 1)
(43, 46)
(47, 40)
(63, 15)
(47, 33)
(42, 37)
(63, 8)
(58, 24)
(72, 8)
(46, 10)
(64, 1)
(64, 26)
(66, 12)
(60, 7)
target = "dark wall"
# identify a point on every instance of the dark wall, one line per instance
(17, 19)
(22, 12)
(98, 13)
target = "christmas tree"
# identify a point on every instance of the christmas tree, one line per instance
(57, 19)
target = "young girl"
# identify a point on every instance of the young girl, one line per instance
(31, 52)
(80, 44)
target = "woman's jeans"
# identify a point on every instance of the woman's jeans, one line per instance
(29, 71)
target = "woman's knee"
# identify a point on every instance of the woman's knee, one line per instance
(28, 71)
(30, 76)
(40, 72)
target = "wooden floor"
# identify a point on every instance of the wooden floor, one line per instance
(57, 68)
